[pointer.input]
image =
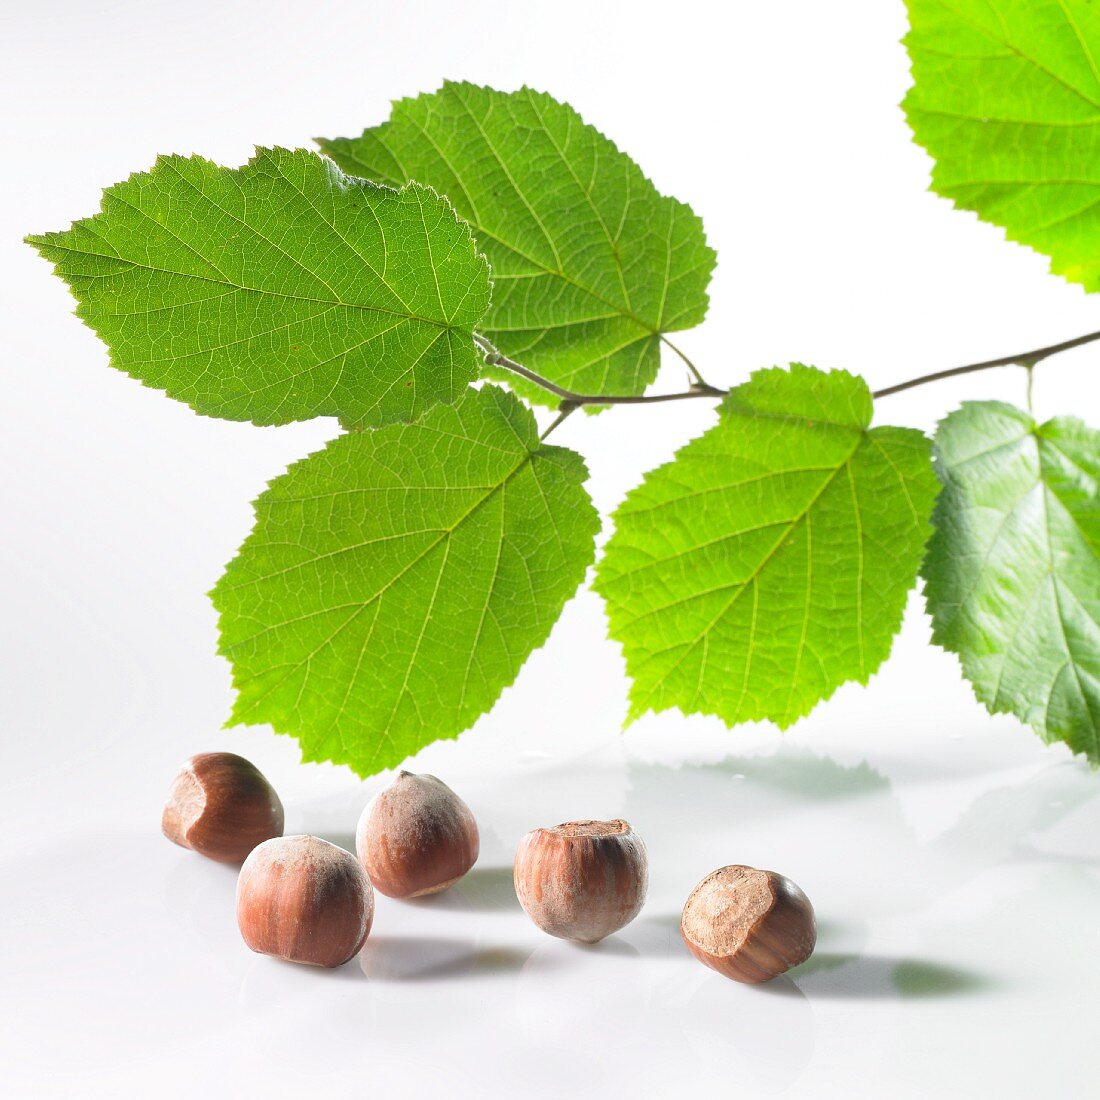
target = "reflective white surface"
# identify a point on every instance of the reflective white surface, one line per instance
(955, 880)
(954, 861)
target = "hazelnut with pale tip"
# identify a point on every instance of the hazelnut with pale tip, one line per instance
(416, 837)
(304, 900)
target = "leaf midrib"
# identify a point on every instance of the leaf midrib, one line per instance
(1037, 482)
(621, 309)
(742, 586)
(1056, 579)
(446, 533)
(44, 242)
(1003, 40)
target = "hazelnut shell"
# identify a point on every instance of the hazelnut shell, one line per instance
(582, 880)
(416, 837)
(302, 899)
(221, 806)
(747, 924)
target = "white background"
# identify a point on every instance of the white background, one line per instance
(952, 858)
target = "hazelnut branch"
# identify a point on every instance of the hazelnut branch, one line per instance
(1026, 359)
(496, 359)
(700, 388)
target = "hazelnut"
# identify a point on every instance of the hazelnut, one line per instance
(416, 837)
(581, 880)
(221, 806)
(304, 900)
(747, 924)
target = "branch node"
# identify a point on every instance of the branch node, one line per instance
(705, 389)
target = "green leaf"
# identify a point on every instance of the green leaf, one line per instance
(396, 581)
(1012, 575)
(591, 264)
(279, 291)
(1007, 100)
(769, 561)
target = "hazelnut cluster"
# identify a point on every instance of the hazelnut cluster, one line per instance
(302, 899)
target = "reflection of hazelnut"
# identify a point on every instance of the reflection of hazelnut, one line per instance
(582, 880)
(747, 924)
(302, 899)
(221, 806)
(416, 837)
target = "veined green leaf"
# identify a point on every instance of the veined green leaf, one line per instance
(770, 560)
(591, 264)
(279, 291)
(1006, 98)
(1012, 575)
(396, 581)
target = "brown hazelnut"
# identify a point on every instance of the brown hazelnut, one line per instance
(221, 806)
(416, 837)
(747, 924)
(581, 880)
(304, 900)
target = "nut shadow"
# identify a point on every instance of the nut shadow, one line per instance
(664, 922)
(345, 972)
(655, 935)
(434, 958)
(830, 930)
(481, 889)
(834, 975)
(609, 946)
